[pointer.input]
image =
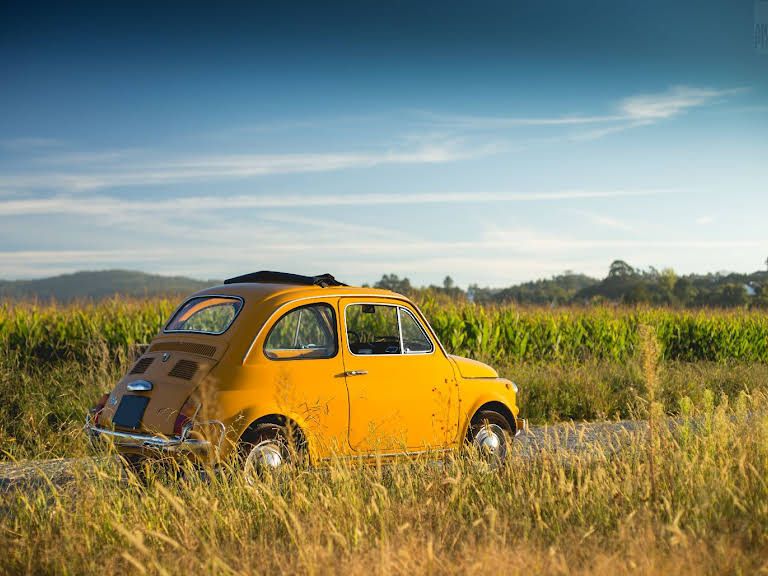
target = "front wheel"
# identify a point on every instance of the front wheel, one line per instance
(490, 436)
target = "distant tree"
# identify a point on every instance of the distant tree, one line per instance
(562, 289)
(760, 299)
(620, 269)
(637, 294)
(667, 281)
(445, 293)
(725, 295)
(684, 291)
(394, 283)
(668, 278)
(480, 295)
(733, 295)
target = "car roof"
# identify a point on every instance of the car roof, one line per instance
(286, 292)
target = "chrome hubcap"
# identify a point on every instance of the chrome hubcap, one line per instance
(489, 440)
(265, 456)
(268, 454)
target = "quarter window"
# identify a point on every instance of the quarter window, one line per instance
(303, 333)
(415, 340)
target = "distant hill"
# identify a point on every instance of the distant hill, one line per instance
(98, 285)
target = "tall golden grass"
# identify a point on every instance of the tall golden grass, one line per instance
(703, 509)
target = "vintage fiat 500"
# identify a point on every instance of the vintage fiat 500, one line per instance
(271, 365)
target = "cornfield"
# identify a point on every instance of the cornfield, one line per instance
(68, 332)
(509, 334)
(535, 334)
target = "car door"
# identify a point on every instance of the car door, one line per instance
(302, 368)
(402, 389)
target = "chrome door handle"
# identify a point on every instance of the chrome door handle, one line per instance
(355, 372)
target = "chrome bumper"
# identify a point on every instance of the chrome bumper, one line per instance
(171, 444)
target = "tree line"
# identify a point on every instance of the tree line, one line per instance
(624, 284)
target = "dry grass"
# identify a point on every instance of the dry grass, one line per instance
(706, 510)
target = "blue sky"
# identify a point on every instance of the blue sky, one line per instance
(493, 141)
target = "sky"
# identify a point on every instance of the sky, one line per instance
(495, 142)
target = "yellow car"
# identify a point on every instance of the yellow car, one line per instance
(271, 365)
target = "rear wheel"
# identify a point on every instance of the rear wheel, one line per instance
(490, 436)
(266, 448)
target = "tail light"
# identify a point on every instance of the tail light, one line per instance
(95, 410)
(186, 414)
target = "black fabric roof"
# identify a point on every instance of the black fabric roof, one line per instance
(267, 277)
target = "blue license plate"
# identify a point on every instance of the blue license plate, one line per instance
(130, 412)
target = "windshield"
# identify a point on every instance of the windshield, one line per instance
(205, 314)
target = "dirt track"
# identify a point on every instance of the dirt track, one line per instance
(566, 439)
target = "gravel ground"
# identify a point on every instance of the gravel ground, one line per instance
(30, 473)
(578, 439)
(565, 439)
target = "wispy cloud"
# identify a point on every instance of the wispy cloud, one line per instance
(102, 157)
(604, 221)
(30, 143)
(465, 122)
(675, 101)
(54, 256)
(395, 249)
(447, 139)
(495, 255)
(104, 205)
(218, 167)
(288, 124)
(630, 112)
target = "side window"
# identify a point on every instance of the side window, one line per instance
(303, 333)
(372, 329)
(415, 340)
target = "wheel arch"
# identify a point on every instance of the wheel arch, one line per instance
(298, 436)
(496, 406)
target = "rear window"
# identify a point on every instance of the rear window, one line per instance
(206, 315)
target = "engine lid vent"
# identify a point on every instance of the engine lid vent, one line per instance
(141, 366)
(184, 369)
(189, 347)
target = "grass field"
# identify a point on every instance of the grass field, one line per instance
(691, 499)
